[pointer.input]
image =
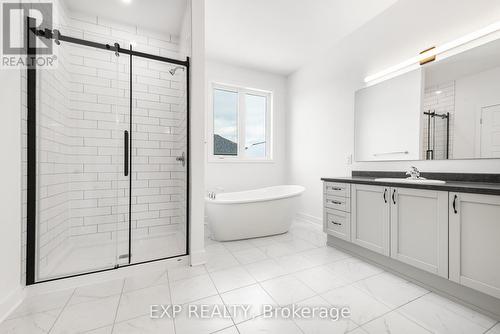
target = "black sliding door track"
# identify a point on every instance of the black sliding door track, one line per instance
(31, 183)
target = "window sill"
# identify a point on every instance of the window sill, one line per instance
(216, 160)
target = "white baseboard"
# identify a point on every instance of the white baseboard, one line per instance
(198, 258)
(12, 301)
(308, 218)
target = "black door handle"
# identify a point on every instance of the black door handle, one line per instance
(455, 204)
(385, 195)
(394, 196)
(125, 153)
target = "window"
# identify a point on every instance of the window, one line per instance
(241, 124)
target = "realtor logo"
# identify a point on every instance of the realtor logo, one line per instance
(21, 47)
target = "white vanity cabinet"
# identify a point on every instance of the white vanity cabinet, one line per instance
(475, 241)
(336, 210)
(370, 217)
(419, 229)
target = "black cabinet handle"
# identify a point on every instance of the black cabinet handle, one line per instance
(394, 196)
(335, 223)
(455, 204)
(385, 195)
(335, 202)
(125, 153)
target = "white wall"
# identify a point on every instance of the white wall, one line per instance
(234, 176)
(472, 93)
(10, 190)
(321, 94)
(395, 101)
(197, 135)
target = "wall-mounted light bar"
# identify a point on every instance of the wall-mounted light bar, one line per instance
(431, 53)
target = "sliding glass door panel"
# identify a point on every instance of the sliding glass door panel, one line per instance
(82, 187)
(159, 160)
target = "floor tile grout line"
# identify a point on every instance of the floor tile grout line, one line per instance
(62, 310)
(117, 307)
(222, 299)
(171, 302)
(495, 324)
(395, 310)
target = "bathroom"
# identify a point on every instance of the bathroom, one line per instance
(165, 158)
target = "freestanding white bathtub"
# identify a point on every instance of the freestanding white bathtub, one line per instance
(252, 213)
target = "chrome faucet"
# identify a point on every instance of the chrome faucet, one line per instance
(212, 195)
(413, 173)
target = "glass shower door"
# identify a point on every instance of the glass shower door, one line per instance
(82, 184)
(159, 160)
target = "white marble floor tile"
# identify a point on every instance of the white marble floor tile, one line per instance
(263, 241)
(287, 290)
(238, 245)
(251, 296)
(145, 325)
(230, 330)
(363, 307)
(232, 278)
(184, 324)
(277, 249)
(149, 279)
(220, 260)
(324, 255)
(249, 255)
(102, 330)
(180, 273)
(391, 290)
(299, 245)
(294, 263)
(393, 322)
(41, 303)
(320, 279)
(37, 323)
(264, 270)
(319, 325)
(191, 289)
(86, 316)
(495, 329)
(262, 325)
(138, 302)
(96, 291)
(440, 315)
(353, 269)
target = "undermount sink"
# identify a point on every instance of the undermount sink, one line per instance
(417, 181)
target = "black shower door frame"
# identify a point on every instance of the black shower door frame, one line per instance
(31, 34)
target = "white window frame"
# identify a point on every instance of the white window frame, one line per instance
(241, 124)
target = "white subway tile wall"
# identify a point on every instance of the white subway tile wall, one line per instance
(83, 110)
(441, 99)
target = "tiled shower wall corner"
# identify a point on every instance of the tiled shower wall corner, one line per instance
(84, 109)
(441, 103)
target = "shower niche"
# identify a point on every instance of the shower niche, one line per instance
(107, 158)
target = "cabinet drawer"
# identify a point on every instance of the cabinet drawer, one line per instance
(338, 203)
(337, 189)
(338, 224)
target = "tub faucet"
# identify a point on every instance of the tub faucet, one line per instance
(212, 194)
(413, 173)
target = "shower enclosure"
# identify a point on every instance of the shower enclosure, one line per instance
(107, 158)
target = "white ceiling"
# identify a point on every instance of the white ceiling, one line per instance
(163, 16)
(281, 35)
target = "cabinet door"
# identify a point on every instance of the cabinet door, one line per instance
(419, 229)
(475, 241)
(370, 217)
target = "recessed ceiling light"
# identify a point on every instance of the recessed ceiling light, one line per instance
(127, 1)
(438, 92)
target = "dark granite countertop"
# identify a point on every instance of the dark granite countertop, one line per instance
(469, 184)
